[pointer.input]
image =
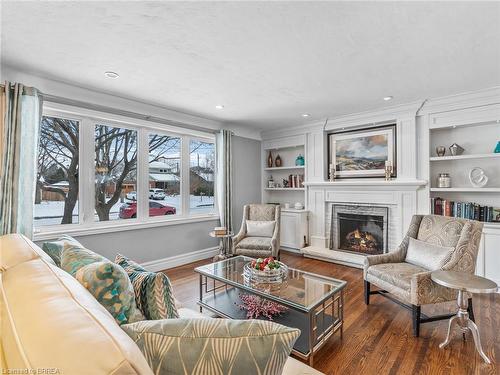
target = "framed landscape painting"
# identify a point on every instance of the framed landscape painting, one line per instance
(363, 153)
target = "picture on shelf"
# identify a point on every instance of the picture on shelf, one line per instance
(363, 153)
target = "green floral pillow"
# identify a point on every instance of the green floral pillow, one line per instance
(111, 287)
(74, 258)
(153, 291)
(55, 248)
(215, 346)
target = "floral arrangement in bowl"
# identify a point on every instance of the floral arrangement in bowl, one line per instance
(265, 270)
(257, 306)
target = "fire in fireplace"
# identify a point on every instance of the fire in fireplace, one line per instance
(359, 229)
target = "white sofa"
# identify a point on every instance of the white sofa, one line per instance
(51, 323)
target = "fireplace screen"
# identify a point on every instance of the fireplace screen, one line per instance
(359, 229)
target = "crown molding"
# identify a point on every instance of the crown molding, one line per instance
(470, 99)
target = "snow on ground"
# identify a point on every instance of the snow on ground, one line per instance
(50, 212)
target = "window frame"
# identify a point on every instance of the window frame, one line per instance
(88, 119)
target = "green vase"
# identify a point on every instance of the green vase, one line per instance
(497, 149)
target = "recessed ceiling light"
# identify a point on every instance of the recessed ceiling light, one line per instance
(110, 74)
(219, 106)
(387, 98)
(306, 115)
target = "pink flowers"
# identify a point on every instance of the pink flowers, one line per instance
(256, 306)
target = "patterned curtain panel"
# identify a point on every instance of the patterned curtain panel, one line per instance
(224, 177)
(20, 111)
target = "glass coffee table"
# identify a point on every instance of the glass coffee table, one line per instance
(314, 303)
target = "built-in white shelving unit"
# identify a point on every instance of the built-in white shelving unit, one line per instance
(288, 148)
(477, 130)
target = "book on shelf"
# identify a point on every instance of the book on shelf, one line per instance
(464, 210)
(296, 181)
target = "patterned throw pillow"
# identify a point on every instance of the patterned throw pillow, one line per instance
(111, 287)
(215, 346)
(55, 248)
(74, 258)
(153, 291)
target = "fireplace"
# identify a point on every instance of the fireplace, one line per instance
(359, 229)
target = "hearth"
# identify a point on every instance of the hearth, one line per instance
(359, 229)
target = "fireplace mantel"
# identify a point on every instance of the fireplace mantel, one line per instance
(400, 195)
(366, 182)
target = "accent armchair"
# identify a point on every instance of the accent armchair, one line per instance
(411, 283)
(245, 243)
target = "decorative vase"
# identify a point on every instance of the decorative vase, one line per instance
(277, 162)
(299, 161)
(456, 149)
(497, 149)
(440, 151)
(270, 160)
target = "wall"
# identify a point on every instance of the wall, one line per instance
(154, 244)
(246, 176)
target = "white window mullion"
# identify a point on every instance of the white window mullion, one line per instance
(87, 172)
(143, 175)
(185, 198)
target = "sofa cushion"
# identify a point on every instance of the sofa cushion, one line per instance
(255, 243)
(50, 321)
(111, 287)
(74, 258)
(398, 274)
(429, 256)
(55, 248)
(256, 228)
(153, 291)
(215, 346)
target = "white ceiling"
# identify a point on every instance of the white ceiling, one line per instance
(266, 62)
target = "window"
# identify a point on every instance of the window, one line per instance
(56, 197)
(165, 171)
(115, 170)
(96, 168)
(201, 176)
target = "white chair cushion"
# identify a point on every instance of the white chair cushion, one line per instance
(260, 228)
(429, 256)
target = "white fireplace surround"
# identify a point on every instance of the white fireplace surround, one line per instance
(399, 195)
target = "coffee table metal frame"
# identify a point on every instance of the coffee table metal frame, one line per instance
(319, 333)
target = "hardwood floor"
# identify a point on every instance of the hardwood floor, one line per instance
(378, 338)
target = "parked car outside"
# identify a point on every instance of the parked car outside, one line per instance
(129, 210)
(132, 195)
(158, 194)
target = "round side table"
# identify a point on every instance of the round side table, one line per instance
(464, 282)
(225, 245)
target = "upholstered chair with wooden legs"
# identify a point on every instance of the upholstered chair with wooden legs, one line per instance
(410, 285)
(264, 241)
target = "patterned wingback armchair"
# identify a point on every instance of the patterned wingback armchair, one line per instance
(412, 284)
(258, 246)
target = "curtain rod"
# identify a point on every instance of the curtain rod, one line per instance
(115, 111)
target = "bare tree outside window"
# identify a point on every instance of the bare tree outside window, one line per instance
(56, 198)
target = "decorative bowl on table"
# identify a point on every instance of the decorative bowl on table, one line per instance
(265, 271)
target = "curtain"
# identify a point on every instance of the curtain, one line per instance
(20, 111)
(224, 178)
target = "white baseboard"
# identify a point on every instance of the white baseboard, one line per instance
(179, 260)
